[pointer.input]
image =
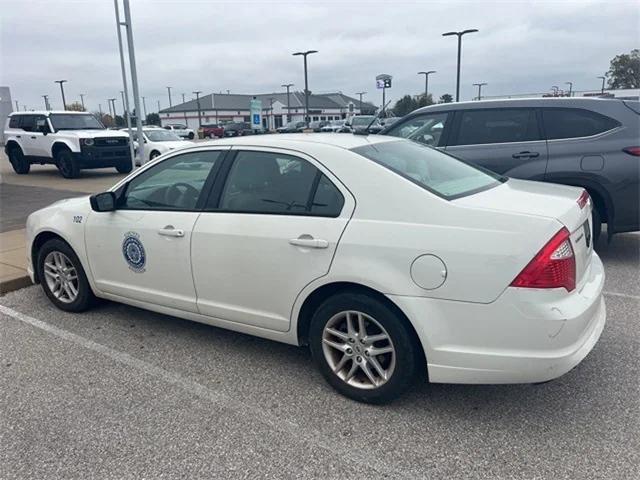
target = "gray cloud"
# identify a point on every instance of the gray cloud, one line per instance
(246, 46)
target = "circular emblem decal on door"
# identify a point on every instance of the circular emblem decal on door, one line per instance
(133, 252)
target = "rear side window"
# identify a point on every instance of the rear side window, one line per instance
(273, 183)
(500, 125)
(14, 122)
(574, 123)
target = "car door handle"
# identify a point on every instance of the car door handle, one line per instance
(309, 242)
(169, 231)
(33, 137)
(526, 155)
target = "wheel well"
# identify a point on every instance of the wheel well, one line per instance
(38, 242)
(11, 144)
(318, 296)
(599, 204)
(57, 147)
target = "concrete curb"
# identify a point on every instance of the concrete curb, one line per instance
(17, 283)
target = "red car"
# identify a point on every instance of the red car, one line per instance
(212, 130)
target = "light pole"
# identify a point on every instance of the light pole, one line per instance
(288, 86)
(64, 102)
(82, 100)
(115, 113)
(158, 107)
(479, 85)
(124, 107)
(360, 94)
(459, 35)
(109, 105)
(183, 100)
(426, 81)
(570, 88)
(46, 102)
(144, 106)
(197, 94)
(602, 89)
(555, 89)
(169, 91)
(306, 85)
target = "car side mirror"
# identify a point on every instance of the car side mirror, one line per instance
(103, 202)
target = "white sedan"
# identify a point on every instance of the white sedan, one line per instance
(388, 258)
(181, 130)
(158, 141)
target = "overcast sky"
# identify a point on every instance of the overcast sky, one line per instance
(246, 47)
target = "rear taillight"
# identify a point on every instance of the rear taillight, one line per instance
(635, 151)
(553, 267)
(583, 199)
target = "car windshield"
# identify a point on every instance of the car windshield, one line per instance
(362, 121)
(433, 170)
(157, 135)
(70, 121)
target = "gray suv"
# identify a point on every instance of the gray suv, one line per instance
(587, 142)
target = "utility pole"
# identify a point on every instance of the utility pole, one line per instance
(82, 100)
(64, 102)
(169, 92)
(288, 86)
(360, 94)
(158, 107)
(459, 35)
(100, 110)
(46, 102)
(17, 107)
(479, 85)
(306, 84)
(125, 105)
(570, 88)
(183, 100)
(197, 94)
(109, 105)
(602, 89)
(113, 105)
(426, 81)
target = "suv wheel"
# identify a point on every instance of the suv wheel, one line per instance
(124, 167)
(18, 161)
(362, 348)
(66, 164)
(62, 277)
(191, 135)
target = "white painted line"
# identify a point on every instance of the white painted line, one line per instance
(336, 447)
(622, 295)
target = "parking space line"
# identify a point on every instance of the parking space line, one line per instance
(334, 446)
(622, 295)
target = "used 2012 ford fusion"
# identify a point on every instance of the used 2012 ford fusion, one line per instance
(388, 258)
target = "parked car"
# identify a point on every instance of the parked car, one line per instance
(158, 141)
(291, 127)
(361, 124)
(70, 140)
(448, 270)
(586, 142)
(181, 130)
(333, 126)
(212, 130)
(387, 122)
(317, 125)
(237, 129)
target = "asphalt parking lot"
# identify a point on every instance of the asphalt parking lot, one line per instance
(119, 392)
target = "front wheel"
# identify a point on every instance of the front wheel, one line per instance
(62, 277)
(191, 136)
(363, 348)
(18, 161)
(154, 154)
(66, 164)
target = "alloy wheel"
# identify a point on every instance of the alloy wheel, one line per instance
(61, 277)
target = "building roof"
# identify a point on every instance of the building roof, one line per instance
(238, 102)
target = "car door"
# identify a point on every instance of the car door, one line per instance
(27, 135)
(141, 251)
(271, 228)
(505, 140)
(40, 143)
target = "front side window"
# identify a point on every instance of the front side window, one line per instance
(426, 128)
(574, 123)
(499, 125)
(28, 123)
(158, 135)
(273, 183)
(433, 170)
(174, 184)
(69, 121)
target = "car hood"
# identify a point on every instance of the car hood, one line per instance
(95, 133)
(175, 144)
(70, 202)
(532, 198)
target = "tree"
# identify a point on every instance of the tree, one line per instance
(75, 107)
(152, 119)
(624, 71)
(425, 101)
(405, 105)
(446, 98)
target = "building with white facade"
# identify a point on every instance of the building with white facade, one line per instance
(277, 109)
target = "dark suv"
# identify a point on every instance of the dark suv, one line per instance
(586, 142)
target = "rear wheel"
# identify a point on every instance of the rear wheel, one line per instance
(66, 164)
(62, 277)
(363, 348)
(154, 154)
(18, 161)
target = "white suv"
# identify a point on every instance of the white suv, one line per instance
(181, 130)
(70, 140)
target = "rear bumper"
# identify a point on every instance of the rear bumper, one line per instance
(525, 336)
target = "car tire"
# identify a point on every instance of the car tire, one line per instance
(124, 167)
(343, 358)
(66, 164)
(58, 258)
(18, 161)
(207, 137)
(191, 136)
(596, 224)
(154, 154)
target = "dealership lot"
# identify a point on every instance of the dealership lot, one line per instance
(120, 392)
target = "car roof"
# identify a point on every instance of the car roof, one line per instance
(517, 102)
(295, 140)
(48, 112)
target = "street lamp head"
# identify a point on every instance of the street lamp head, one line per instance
(471, 30)
(287, 85)
(308, 52)
(449, 34)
